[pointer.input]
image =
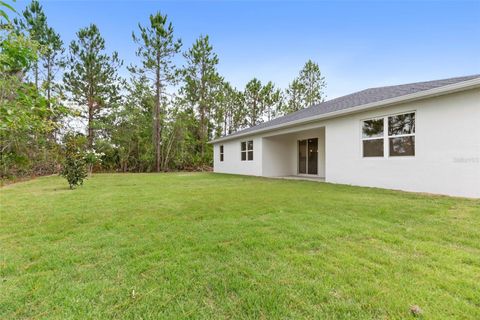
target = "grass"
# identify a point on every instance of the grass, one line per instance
(155, 246)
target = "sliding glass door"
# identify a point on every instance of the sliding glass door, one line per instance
(308, 156)
(313, 156)
(302, 156)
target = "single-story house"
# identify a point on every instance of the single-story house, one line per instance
(421, 137)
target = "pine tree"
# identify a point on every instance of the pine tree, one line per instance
(306, 90)
(156, 48)
(261, 101)
(295, 96)
(92, 76)
(314, 83)
(34, 22)
(52, 59)
(202, 85)
(273, 100)
(253, 103)
(230, 110)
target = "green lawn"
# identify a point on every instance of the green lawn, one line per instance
(153, 246)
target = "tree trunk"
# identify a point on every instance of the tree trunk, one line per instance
(202, 130)
(160, 137)
(157, 119)
(49, 81)
(169, 148)
(90, 123)
(203, 110)
(254, 113)
(225, 117)
(36, 75)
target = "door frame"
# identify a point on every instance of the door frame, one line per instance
(306, 160)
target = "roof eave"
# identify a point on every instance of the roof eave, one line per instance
(460, 86)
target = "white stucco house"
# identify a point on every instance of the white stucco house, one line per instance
(421, 137)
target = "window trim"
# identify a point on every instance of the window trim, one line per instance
(362, 138)
(247, 150)
(222, 153)
(402, 135)
(386, 137)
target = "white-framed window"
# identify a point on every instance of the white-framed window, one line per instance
(221, 153)
(389, 136)
(246, 150)
(401, 135)
(373, 136)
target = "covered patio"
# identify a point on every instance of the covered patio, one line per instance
(295, 155)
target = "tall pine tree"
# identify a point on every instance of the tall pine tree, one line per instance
(92, 76)
(296, 97)
(156, 48)
(52, 59)
(202, 85)
(313, 82)
(229, 111)
(306, 90)
(261, 101)
(34, 22)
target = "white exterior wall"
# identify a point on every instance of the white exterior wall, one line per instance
(279, 156)
(232, 157)
(447, 149)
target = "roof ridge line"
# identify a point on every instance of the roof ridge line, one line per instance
(422, 82)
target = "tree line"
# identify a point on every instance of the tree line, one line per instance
(159, 118)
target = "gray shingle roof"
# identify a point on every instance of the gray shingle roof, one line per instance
(356, 99)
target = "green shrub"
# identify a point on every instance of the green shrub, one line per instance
(74, 166)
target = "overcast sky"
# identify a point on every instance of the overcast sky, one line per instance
(357, 44)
